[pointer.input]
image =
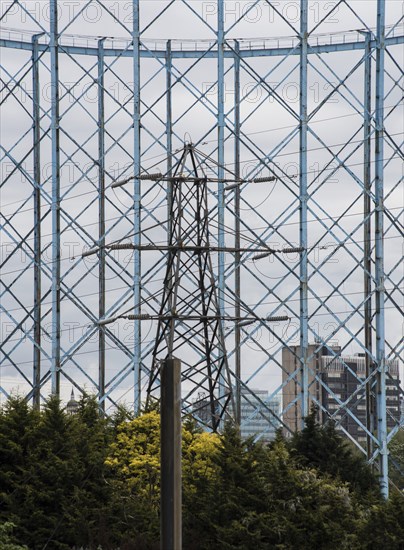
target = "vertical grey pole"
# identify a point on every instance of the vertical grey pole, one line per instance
(303, 215)
(367, 243)
(381, 408)
(237, 282)
(171, 516)
(55, 365)
(37, 224)
(101, 227)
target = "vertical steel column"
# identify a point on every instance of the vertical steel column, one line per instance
(55, 366)
(170, 455)
(101, 227)
(136, 206)
(220, 154)
(237, 275)
(367, 241)
(303, 198)
(379, 250)
(169, 134)
(37, 223)
(169, 138)
(169, 125)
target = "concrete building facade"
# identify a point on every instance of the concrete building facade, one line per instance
(333, 379)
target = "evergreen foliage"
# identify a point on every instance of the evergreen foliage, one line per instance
(397, 460)
(384, 527)
(7, 539)
(81, 481)
(323, 448)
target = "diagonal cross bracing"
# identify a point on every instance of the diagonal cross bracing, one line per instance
(129, 103)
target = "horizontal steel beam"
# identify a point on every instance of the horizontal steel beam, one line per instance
(198, 54)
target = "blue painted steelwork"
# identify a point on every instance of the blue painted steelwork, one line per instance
(237, 242)
(286, 92)
(55, 119)
(36, 383)
(220, 159)
(197, 54)
(136, 207)
(101, 223)
(169, 122)
(381, 405)
(303, 227)
(367, 245)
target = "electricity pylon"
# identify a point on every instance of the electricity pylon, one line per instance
(189, 320)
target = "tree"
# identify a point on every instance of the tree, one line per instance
(134, 463)
(199, 476)
(84, 481)
(385, 525)
(7, 541)
(264, 499)
(135, 455)
(134, 460)
(237, 499)
(396, 470)
(54, 477)
(305, 508)
(18, 425)
(54, 470)
(87, 512)
(323, 448)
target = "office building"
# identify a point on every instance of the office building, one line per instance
(256, 419)
(256, 410)
(342, 375)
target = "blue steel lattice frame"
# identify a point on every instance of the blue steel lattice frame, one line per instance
(227, 92)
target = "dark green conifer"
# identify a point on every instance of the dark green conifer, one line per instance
(323, 448)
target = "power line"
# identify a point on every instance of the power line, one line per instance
(347, 312)
(164, 156)
(230, 304)
(309, 248)
(161, 223)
